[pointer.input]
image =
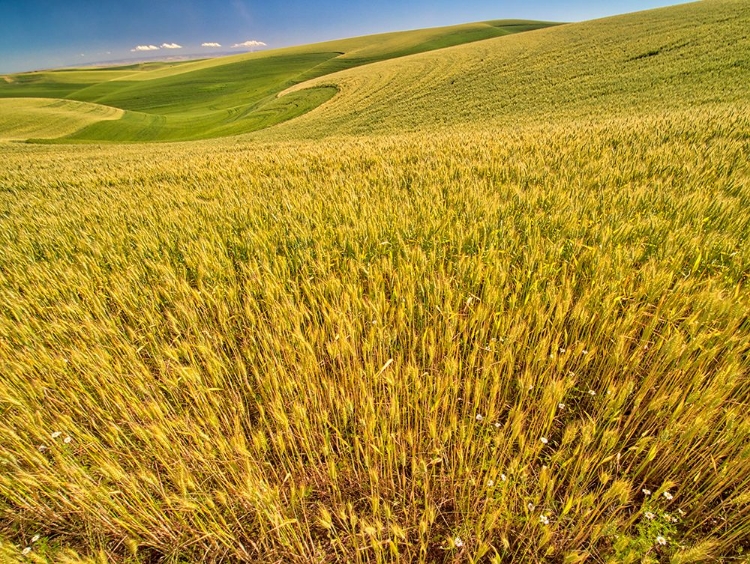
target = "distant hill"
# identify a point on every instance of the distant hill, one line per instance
(226, 95)
(485, 72)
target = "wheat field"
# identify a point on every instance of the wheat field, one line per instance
(478, 339)
(46, 118)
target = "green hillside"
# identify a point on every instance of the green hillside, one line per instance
(229, 95)
(679, 57)
(487, 304)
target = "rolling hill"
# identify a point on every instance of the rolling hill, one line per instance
(680, 57)
(222, 96)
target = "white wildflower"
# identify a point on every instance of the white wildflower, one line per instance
(68, 440)
(560, 406)
(584, 351)
(544, 520)
(562, 350)
(42, 448)
(56, 434)
(490, 483)
(458, 542)
(530, 506)
(503, 477)
(646, 492)
(668, 496)
(35, 538)
(497, 424)
(661, 540)
(544, 440)
(26, 550)
(592, 393)
(648, 515)
(479, 417)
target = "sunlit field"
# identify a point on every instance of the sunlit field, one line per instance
(408, 333)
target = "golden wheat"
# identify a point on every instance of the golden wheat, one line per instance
(480, 345)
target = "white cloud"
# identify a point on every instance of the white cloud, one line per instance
(145, 48)
(171, 46)
(210, 44)
(249, 44)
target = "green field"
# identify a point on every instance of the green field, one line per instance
(222, 96)
(488, 303)
(21, 118)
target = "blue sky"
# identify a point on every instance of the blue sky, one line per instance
(40, 34)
